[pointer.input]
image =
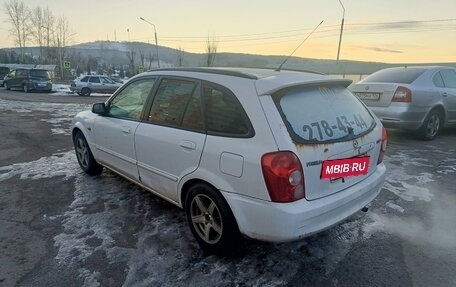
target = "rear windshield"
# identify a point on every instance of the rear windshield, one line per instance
(39, 73)
(323, 114)
(401, 75)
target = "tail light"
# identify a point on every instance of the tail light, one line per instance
(383, 146)
(402, 95)
(283, 175)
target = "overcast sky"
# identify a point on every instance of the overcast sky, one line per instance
(375, 30)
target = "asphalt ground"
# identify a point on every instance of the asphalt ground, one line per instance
(59, 227)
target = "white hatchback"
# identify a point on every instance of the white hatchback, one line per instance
(271, 155)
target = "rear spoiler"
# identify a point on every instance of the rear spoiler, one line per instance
(270, 88)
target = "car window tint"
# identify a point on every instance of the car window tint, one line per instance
(193, 117)
(224, 114)
(40, 74)
(438, 81)
(395, 75)
(85, 79)
(170, 102)
(449, 78)
(322, 114)
(130, 101)
(94, 79)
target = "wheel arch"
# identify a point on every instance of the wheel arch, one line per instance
(440, 108)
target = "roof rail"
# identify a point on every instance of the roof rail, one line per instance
(210, 71)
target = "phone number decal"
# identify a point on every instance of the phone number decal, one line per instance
(323, 129)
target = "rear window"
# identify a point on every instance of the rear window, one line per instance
(40, 74)
(323, 114)
(402, 75)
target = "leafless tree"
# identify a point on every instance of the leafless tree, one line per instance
(180, 57)
(18, 16)
(63, 36)
(48, 26)
(38, 28)
(211, 50)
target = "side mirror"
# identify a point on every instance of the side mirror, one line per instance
(99, 109)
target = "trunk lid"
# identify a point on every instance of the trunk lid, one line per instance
(326, 122)
(374, 94)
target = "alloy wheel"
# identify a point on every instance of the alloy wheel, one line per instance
(206, 219)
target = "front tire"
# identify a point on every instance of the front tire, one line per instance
(6, 86)
(211, 221)
(84, 155)
(432, 125)
(25, 88)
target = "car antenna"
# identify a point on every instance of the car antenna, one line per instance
(286, 59)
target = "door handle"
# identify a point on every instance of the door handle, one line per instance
(126, 130)
(445, 94)
(188, 145)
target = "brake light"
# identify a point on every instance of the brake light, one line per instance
(283, 176)
(402, 95)
(383, 146)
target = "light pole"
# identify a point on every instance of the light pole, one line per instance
(156, 44)
(341, 30)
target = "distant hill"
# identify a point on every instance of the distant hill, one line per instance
(116, 53)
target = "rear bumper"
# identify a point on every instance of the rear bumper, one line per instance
(400, 116)
(40, 87)
(280, 222)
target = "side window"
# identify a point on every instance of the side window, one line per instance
(171, 102)
(449, 78)
(224, 114)
(438, 81)
(85, 79)
(130, 101)
(20, 73)
(94, 80)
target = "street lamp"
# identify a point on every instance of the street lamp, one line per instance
(156, 44)
(341, 30)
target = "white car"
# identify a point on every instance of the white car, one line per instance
(271, 155)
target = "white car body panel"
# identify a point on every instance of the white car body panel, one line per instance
(163, 159)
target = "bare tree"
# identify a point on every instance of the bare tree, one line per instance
(62, 38)
(18, 17)
(211, 50)
(180, 57)
(48, 24)
(38, 28)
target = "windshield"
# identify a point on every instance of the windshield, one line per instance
(323, 113)
(40, 74)
(396, 75)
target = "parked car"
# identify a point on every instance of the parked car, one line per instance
(94, 84)
(3, 72)
(28, 80)
(421, 99)
(271, 155)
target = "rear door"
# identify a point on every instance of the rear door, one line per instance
(326, 122)
(170, 143)
(95, 84)
(449, 93)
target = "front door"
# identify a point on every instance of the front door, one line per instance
(114, 132)
(170, 142)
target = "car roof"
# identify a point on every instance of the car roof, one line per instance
(267, 81)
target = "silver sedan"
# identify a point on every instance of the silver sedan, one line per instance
(420, 98)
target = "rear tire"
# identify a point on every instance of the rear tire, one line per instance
(211, 221)
(84, 155)
(432, 125)
(85, 92)
(25, 88)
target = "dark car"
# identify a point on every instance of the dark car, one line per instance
(28, 80)
(3, 72)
